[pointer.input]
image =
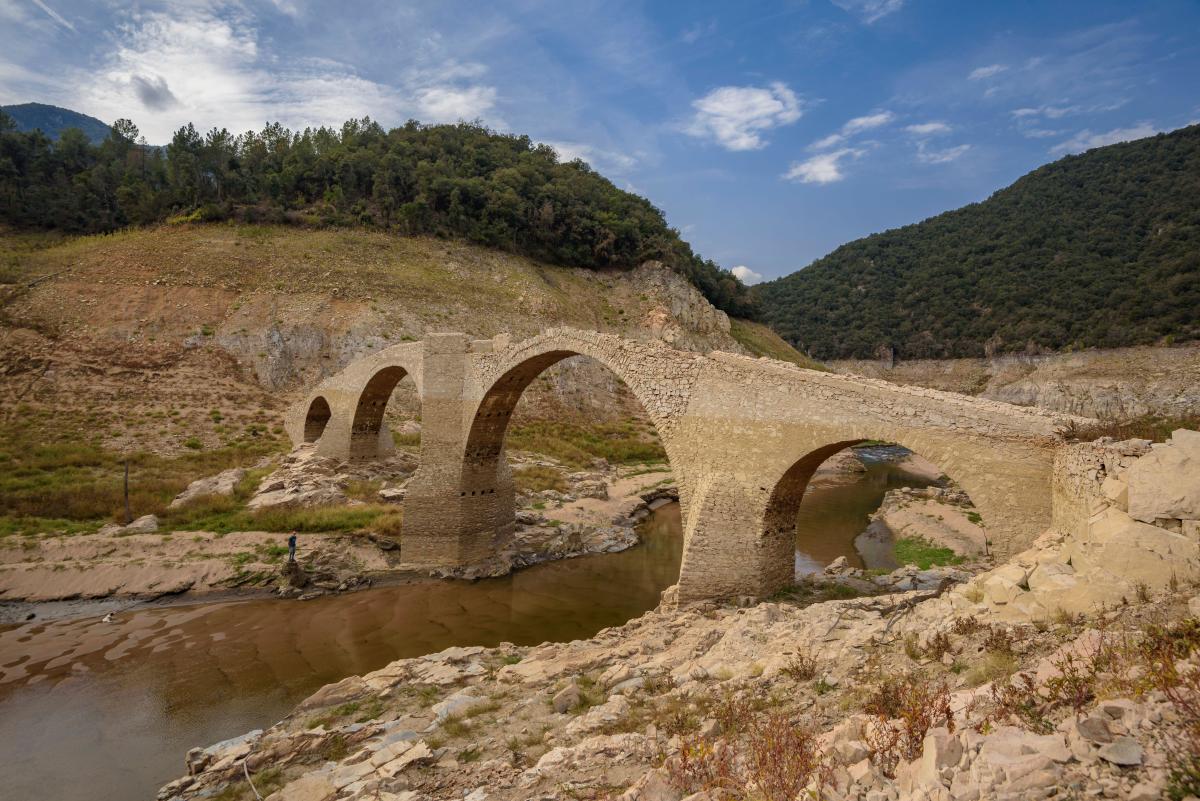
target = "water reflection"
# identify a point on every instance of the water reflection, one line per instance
(834, 512)
(93, 710)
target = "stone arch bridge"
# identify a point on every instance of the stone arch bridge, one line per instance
(743, 437)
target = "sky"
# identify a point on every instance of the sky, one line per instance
(768, 133)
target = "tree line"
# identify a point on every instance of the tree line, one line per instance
(1096, 250)
(462, 181)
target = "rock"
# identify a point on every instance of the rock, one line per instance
(1123, 751)
(1166, 481)
(146, 524)
(344, 691)
(309, 787)
(1094, 730)
(567, 698)
(454, 705)
(653, 786)
(1116, 491)
(1148, 790)
(223, 483)
(1194, 606)
(392, 494)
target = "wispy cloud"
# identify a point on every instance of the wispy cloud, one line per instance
(934, 128)
(982, 73)
(1086, 140)
(697, 31)
(869, 11)
(746, 275)
(736, 116)
(824, 168)
(604, 160)
(928, 155)
(853, 126)
(54, 15)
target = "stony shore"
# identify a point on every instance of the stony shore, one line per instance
(1072, 671)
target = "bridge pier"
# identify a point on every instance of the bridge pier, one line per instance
(451, 517)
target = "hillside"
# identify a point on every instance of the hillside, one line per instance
(53, 120)
(110, 335)
(455, 181)
(1096, 250)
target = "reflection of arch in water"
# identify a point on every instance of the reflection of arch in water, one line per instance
(787, 500)
(316, 419)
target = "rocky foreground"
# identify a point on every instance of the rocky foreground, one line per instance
(1073, 671)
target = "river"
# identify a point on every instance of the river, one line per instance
(108, 710)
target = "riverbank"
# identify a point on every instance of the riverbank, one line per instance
(1066, 668)
(54, 575)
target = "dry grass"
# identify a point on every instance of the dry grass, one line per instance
(537, 478)
(1155, 428)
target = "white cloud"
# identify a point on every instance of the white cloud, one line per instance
(747, 276)
(980, 73)
(832, 140)
(196, 64)
(869, 10)
(866, 122)
(736, 116)
(928, 129)
(945, 156)
(449, 104)
(821, 169)
(1086, 140)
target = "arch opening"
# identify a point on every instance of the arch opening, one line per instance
(876, 505)
(389, 397)
(316, 419)
(584, 440)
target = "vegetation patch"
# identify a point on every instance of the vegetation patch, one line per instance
(578, 444)
(923, 553)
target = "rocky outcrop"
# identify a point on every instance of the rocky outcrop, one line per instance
(1115, 383)
(1099, 554)
(305, 479)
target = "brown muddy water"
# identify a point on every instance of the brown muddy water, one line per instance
(92, 710)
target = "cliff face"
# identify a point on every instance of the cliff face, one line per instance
(281, 308)
(1118, 383)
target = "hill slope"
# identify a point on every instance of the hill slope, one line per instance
(53, 120)
(107, 336)
(457, 181)
(1096, 250)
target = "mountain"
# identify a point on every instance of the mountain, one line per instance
(52, 121)
(1096, 250)
(462, 181)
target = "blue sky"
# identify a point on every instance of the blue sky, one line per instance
(769, 133)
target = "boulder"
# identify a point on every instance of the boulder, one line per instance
(1165, 483)
(223, 483)
(1124, 751)
(567, 698)
(146, 524)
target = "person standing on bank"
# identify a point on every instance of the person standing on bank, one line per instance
(292, 547)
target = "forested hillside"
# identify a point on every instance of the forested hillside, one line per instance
(53, 120)
(1096, 250)
(461, 181)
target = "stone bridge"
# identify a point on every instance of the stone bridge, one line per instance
(743, 436)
